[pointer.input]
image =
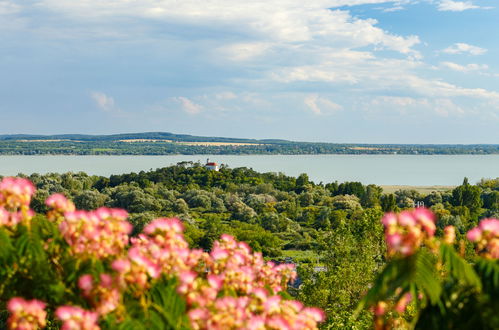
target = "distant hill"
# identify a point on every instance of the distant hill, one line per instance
(165, 143)
(129, 136)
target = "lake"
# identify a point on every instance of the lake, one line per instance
(415, 170)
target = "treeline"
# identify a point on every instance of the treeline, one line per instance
(159, 143)
(331, 230)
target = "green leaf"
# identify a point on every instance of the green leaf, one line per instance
(488, 270)
(6, 246)
(425, 276)
(396, 274)
(168, 305)
(459, 268)
(411, 274)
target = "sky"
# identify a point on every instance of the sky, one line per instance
(345, 71)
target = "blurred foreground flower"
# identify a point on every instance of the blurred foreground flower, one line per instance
(406, 231)
(486, 237)
(26, 314)
(76, 318)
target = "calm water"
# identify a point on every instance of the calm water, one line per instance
(378, 169)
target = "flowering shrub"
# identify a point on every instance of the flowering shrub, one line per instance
(26, 314)
(406, 231)
(82, 267)
(486, 237)
(426, 283)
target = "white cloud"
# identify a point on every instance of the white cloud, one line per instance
(443, 107)
(321, 106)
(269, 22)
(464, 68)
(399, 101)
(449, 5)
(283, 41)
(103, 101)
(393, 9)
(446, 107)
(461, 48)
(225, 96)
(245, 51)
(188, 106)
(438, 88)
(8, 7)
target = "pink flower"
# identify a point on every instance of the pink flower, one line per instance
(26, 314)
(389, 219)
(406, 231)
(406, 218)
(76, 318)
(449, 235)
(380, 308)
(219, 253)
(164, 225)
(315, 313)
(20, 188)
(474, 234)
(85, 282)
(101, 233)
(60, 203)
(486, 237)
(401, 305)
(394, 240)
(490, 225)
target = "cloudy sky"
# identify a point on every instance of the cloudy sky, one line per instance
(372, 71)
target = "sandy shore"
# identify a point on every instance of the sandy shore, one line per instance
(421, 189)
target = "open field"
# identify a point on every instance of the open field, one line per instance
(218, 144)
(424, 190)
(143, 140)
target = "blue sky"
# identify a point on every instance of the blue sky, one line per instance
(366, 71)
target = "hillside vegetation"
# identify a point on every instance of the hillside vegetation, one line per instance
(331, 231)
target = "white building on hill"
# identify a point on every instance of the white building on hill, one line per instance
(211, 165)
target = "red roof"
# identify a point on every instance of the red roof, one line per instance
(212, 164)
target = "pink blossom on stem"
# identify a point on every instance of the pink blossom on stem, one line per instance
(76, 318)
(26, 314)
(449, 235)
(16, 192)
(101, 233)
(406, 231)
(486, 237)
(60, 203)
(401, 305)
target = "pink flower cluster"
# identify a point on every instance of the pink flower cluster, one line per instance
(26, 314)
(160, 249)
(76, 318)
(228, 288)
(15, 196)
(486, 237)
(100, 233)
(104, 296)
(233, 270)
(255, 311)
(406, 231)
(59, 205)
(16, 192)
(449, 235)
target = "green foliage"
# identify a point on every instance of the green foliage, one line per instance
(452, 293)
(335, 226)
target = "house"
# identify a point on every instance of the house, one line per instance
(211, 165)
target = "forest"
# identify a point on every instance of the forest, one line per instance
(332, 232)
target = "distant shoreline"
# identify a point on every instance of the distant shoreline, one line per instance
(164, 143)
